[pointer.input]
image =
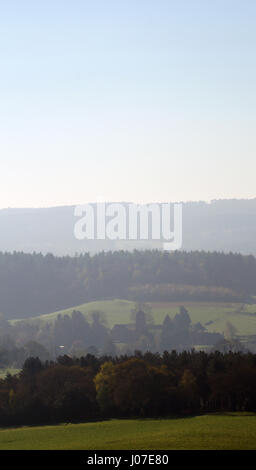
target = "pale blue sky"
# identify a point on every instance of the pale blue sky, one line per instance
(139, 100)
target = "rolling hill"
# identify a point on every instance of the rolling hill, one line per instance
(212, 315)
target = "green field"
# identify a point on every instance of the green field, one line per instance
(234, 431)
(218, 313)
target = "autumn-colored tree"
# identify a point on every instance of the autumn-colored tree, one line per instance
(105, 383)
(188, 390)
(142, 389)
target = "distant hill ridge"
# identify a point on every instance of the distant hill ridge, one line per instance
(227, 225)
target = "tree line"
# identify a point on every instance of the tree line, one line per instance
(34, 284)
(142, 385)
(77, 335)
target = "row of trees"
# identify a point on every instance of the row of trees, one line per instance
(33, 284)
(144, 385)
(77, 335)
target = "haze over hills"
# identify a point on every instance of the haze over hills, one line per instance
(227, 225)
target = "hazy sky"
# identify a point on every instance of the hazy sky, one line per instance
(136, 100)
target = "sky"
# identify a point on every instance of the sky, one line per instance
(115, 100)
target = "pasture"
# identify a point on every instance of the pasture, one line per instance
(212, 315)
(231, 431)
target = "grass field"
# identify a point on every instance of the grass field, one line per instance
(213, 315)
(234, 431)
